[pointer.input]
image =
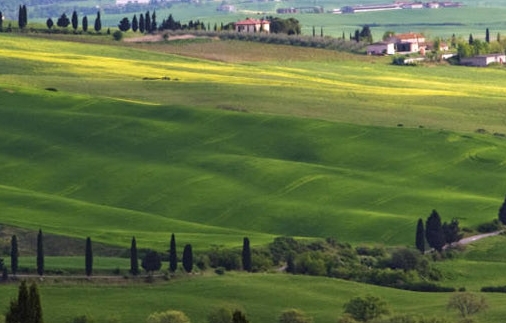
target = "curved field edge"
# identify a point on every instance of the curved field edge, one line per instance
(109, 169)
(261, 297)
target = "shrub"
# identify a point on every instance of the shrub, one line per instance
(294, 316)
(168, 317)
(467, 303)
(220, 315)
(495, 225)
(117, 35)
(82, 319)
(365, 309)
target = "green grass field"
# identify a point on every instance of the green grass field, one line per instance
(251, 140)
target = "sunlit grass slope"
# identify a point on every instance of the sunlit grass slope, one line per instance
(111, 169)
(310, 83)
(261, 297)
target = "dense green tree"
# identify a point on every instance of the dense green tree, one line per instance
(502, 212)
(314, 32)
(98, 23)
(19, 309)
(74, 20)
(84, 23)
(321, 32)
(172, 254)
(290, 26)
(135, 24)
(294, 316)
(49, 23)
(63, 21)
(40, 253)
(151, 262)
(357, 35)
(434, 231)
(134, 262)
(365, 34)
(34, 305)
(239, 317)
(487, 35)
(188, 258)
(366, 309)
(498, 37)
(124, 24)
(420, 236)
(452, 231)
(405, 259)
(290, 263)
(246, 255)
(471, 40)
(1, 21)
(88, 257)
(142, 24)
(14, 255)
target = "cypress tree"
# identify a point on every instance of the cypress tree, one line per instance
(135, 24)
(188, 258)
(14, 255)
(420, 236)
(471, 40)
(85, 23)
(141, 23)
(502, 212)
(98, 22)
(88, 257)
(487, 35)
(49, 23)
(40, 254)
(24, 311)
(434, 231)
(74, 20)
(153, 21)
(314, 32)
(25, 16)
(1, 21)
(172, 254)
(321, 31)
(34, 305)
(147, 22)
(246, 255)
(134, 262)
(20, 17)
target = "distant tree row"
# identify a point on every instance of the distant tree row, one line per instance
(63, 22)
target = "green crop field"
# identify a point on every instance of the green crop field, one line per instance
(218, 140)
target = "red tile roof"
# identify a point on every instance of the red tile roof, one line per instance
(249, 22)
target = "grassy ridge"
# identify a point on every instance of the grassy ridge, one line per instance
(321, 298)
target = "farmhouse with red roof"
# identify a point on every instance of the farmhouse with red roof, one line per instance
(252, 25)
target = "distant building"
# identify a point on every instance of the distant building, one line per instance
(381, 48)
(226, 8)
(252, 25)
(124, 2)
(483, 60)
(287, 10)
(409, 42)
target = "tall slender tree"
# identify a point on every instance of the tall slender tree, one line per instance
(134, 262)
(23, 303)
(147, 22)
(154, 24)
(502, 212)
(34, 305)
(14, 255)
(135, 24)
(98, 22)
(434, 231)
(88, 257)
(188, 258)
(49, 23)
(84, 24)
(471, 40)
(1, 21)
(20, 18)
(487, 35)
(246, 255)
(142, 24)
(40, 253)
(172, 254)
(74, 20)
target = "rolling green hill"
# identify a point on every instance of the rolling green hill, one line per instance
(111, 154)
